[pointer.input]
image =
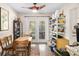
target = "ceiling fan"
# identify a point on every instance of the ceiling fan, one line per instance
(35, 7)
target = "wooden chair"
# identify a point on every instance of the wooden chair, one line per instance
(6, 47)
(10, 47)
(21, 48)
(1, 49)
(4, 43)
(10, 41)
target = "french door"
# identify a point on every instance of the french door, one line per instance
(39, 28)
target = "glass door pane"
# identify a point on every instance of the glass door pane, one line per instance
(32, 28)
(42, 30)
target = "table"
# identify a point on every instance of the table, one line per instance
(28, 40)
(20, 39)
(24, 38)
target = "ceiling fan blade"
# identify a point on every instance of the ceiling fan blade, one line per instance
(41, 6)
(24, 7)
(30, 7)
(35, 7)
(27, 7)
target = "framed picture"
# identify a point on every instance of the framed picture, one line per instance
(4, 19)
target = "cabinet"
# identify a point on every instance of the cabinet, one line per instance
(16, 29)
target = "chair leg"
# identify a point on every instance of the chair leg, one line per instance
(13, 52)
(16, 54)
(28, 50)
(6, 52)
(22, 53)
(2, 53)
(10, 52)
(25, 53)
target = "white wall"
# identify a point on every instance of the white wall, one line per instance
(68, 26)
(12, 16)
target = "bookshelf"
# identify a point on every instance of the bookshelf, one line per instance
(57, 26)
(52, 28)
(61, 24)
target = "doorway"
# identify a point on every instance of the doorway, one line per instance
(39, 29)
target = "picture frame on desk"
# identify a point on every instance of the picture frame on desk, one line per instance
(4, 19)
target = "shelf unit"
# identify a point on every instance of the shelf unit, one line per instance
(16, 29)
(57, 29)
(57, 26)
(52, 28)
(61, 24)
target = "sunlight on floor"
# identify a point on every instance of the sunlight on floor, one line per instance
(42, 49)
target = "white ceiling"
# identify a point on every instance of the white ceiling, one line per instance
(50, 7)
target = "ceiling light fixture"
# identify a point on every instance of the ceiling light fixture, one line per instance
(34, 10)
